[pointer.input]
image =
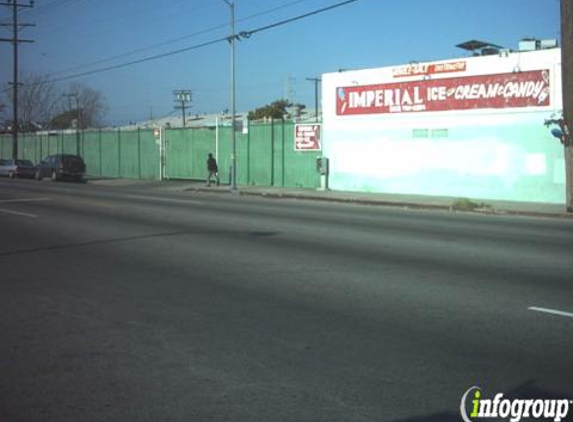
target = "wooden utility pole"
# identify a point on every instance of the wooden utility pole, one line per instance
(567, 78)
(182, 97)
(15, 42)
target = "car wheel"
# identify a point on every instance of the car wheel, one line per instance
(38, 176)
(55, 176)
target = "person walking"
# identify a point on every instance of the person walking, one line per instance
(213, 169)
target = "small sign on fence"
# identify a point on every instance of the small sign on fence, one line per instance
(307, 137)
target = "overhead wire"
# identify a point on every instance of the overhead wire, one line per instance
(145, 59)
(247, 34)
(47, 7)
(173, 40)
(242, 34)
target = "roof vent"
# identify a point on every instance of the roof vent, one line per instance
(480, 48)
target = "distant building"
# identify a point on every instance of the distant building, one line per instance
(214, 119)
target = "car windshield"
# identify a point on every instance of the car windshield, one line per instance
(24, 163)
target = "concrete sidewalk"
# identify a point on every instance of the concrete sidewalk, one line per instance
(395, 200)
(484, 206)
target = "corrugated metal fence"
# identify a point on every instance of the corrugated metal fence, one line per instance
(265, 153)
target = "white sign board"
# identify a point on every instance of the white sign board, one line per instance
(307, 137)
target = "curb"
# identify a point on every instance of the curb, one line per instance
(384, 203)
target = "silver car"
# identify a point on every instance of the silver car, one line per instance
(17, 168)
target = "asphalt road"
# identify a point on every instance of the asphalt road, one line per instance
(144, 304)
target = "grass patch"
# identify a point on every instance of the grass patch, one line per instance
(465, 204)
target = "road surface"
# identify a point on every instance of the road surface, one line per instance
(139, 303)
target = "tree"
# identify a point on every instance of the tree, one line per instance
(38, 101)
(276, 110)
(90, 106)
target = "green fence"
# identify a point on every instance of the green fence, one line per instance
(129, 154)
(265, 153)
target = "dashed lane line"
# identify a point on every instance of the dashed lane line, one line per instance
(21, 214)
(166, 200)
(19, 200)
(551, 311)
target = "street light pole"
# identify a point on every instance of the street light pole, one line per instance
(232, 39)
(316, 81)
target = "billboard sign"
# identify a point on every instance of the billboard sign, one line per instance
(419, 69)
(506, 90)
(307, 137)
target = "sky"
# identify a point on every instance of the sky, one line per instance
(77, 36)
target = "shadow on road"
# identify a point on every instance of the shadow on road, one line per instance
(250, 234)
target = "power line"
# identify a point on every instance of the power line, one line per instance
(98, 25)
(145, 59)
(247, 34)
(242, 34)
(49, 7)
(173, 40)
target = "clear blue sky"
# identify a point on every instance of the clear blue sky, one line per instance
(364, 34)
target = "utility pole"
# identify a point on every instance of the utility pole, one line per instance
(73, 101)
(567, 81)
(232, 38)
(316, 82)
(289, 92)
(182, 97)
(15, 41)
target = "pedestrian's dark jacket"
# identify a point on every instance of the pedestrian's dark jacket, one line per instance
(212, 164)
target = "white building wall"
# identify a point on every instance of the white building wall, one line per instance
(500, 152)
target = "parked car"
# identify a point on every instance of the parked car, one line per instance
(17, 168)
(61, 167)
(3, 167)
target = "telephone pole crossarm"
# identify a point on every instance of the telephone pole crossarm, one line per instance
(182, 97)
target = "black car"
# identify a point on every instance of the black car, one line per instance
(61, 167)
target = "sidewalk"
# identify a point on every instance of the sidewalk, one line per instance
(446, 203)
(388, 199)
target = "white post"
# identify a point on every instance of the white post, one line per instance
(217, 138)
(161, 152)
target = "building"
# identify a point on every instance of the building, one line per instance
(470, 127)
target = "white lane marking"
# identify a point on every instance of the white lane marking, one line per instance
(158, 198)
(22, 214)
(551, 311)
(17, 200)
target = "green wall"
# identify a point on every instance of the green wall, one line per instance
(265, 153)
